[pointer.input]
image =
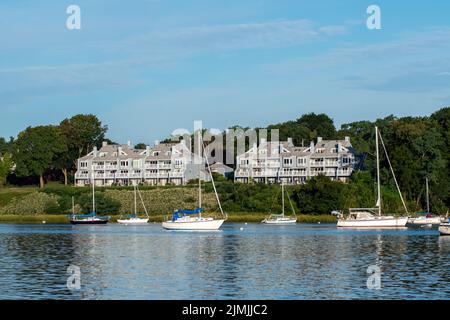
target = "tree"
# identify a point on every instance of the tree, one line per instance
(81, 133)
(36, 150)
(140, 146)
(6, 165)
(320, 124)
(103, 204)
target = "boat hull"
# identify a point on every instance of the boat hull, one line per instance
(279, 221)
(133, 221)
(211, 224)
(424, 221)
(83, 222)
(383, 222)
(444, 229)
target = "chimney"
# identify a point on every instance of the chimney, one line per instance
(95, 151)
(319, 139)
(147, 150)
(156, 142)
(129, 143)
(339, 147)
(311, 145)
(119, 151)
(104, 143)
(289, 141)
(347, 139)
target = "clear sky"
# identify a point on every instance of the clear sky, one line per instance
(146, 67)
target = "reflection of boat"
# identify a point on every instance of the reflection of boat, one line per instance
(281, 218)
(90, 218)
(133, 219)
(185, 219)
(426, 219)
(367, 217)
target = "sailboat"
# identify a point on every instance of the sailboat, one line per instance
(427, 219)
(372, 217)
(90, 218)
(133, 219)
(282, 218)
(193, 219)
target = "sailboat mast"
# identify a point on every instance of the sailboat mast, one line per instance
(135, 201)
(93, 190)
(378, 173)
(73, 206)
(428, 198)
(199, 175)
(282, 196)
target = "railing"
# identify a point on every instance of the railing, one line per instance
(150, 166)
(164, 166)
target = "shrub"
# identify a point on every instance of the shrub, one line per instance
(32, 204)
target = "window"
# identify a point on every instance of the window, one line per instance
(301, 161)
(156, 153)
(83, 164)
(124, 163)
(287, 161)
(178, 162)
(244, 162)
(320, 150)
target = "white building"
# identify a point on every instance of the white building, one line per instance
(165, 163)
(275, 162)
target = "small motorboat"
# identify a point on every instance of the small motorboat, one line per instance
(444, 228)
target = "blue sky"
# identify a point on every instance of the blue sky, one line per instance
(148, 67)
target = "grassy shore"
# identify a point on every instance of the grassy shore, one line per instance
(232, 217)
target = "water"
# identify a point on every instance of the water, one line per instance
(258, 262)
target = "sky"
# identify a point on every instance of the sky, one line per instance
(148, 67)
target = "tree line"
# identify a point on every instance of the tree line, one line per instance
(418, 147)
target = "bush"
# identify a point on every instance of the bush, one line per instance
(104, 205)
(32, 204)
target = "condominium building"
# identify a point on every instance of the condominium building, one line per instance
(276, 162)
(165, 163)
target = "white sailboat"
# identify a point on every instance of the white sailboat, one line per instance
(193, 219)
(133, 219)
(428, 219)
(372, 217)
(278, 219)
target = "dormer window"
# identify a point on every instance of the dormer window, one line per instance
(320, 150)
(156, 153)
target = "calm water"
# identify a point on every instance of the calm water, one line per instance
(258, 262)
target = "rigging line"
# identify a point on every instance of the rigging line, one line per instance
(212, 179)
(290, 202)
(393, 174)
(143, 204)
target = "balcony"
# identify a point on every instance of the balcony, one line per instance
(82, 175)
(97, 167)
(164, 166)
(111, 167)
(150, 166)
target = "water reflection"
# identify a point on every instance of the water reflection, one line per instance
(258, 262)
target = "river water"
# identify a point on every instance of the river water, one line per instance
(240, 261)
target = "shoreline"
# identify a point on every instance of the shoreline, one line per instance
(232, 217)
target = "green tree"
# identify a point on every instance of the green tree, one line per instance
(6, 165)
(104, 205)
(140, 146)
(81, 133)
(320, 124)
(36, 150)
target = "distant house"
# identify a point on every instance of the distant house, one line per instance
(222, 169)
(281, 161)
(164, 163)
